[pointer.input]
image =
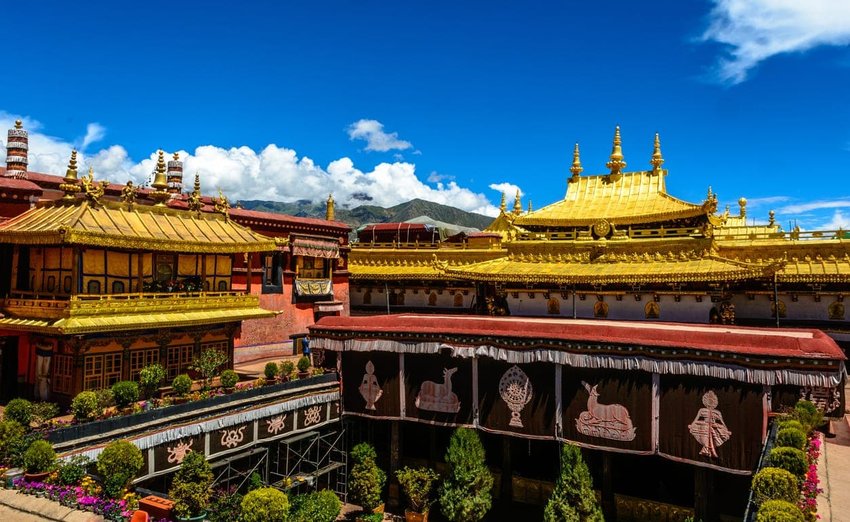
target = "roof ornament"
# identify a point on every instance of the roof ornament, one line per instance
(710, 203)
(71, 185)
(576, 167)
(529, 206)
(329, 212)
(19, 124)
(615, 162)
(160, 182)
(517, 203)
(771, 218)
(222, 206)
(742, 204)
(657, 160)
(504, 205)
(93, 190)
(129, 194)
(195, 204)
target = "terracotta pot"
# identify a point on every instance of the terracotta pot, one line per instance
(36, 477)
(413, 516)
(303, 375)
(228, 391)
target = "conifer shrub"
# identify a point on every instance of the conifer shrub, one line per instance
(792, 438)
(270, 371)
(191, 488)
(573, 497)
(466, 493)
(20, 411)
(779, 511)
(790, 459)
(303, 363)
(265, 505)
(791, 423)
(366, 480)
(775, 484)
(808, 414)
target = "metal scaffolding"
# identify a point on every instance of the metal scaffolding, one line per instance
(309, 461)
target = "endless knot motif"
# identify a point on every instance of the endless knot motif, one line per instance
(312, 416)
(179, 452)
(232, 438)
(276, 424)
(515, 389)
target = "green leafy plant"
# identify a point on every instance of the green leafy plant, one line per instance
(287, 368)
(265, 505)
(11, 436)
(573, 497)
(226, 506)
(792, 438)
(808, 414)
(417, 483)
(105, 398)
(150, 378)
(255, 481)
(208, 364)
(779, 511)
(118, 464)
(43, 412)
(270, 371)
(366, 480)
(72, 471)
(84, 406)
(303, 363)
(20, 411)
(125, 393)
(191, 486)
(319, 506)
(19, 446)
(39, 457)
(465, 495)
(182, 384)
(775, 484)
(790, 459)
(229, 378)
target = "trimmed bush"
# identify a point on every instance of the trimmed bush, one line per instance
(11, 436)
(319, 506)
(191, 487)
(43, 412)
(303, 363)
(270, 371)
(150, 378)
(39, 457)
(84, 406)
(465, 495)
(72, 471)
(118, 464)
(791, 423)
(779, 511)
(182, 384)
(417, 483)
(790, 459)
(808, 414)
(775, 484)
(125, 393)
(287, 368)
(229, 378)
(366, 480)
(265, 505)
(20, 411)
(792, 438)
(573, 497)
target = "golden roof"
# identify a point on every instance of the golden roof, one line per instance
(421, 264)
(115, 225)
(635, 197)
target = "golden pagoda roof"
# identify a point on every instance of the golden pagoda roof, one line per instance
(635, 197)
(137, 227)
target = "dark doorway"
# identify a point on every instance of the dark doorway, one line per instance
(8, 368)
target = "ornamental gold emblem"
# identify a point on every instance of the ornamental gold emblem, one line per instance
(601, 228)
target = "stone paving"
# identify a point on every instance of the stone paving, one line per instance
(28, 508)
(834, 503)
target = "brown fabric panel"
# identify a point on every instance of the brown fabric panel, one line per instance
(622, 415)
(232, 437)
(175, 451)
(424, 380)
(739, 410)
(355, 378)
(275, 426)
(312, 415)
(536, 417)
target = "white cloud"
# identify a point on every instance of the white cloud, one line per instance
(814, 205)
(436, 177)
(372, 132)
(839, 220)
(509, 189)
(94, 133)
(755, 30)
(274, 173)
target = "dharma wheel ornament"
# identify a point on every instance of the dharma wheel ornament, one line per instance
(515, 389)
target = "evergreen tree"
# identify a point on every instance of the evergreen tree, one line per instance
(573, 499)
(465, 496)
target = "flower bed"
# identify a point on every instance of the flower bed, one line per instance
(810, 490)
(86, 497)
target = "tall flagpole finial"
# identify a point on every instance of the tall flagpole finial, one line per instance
(71, 185)
(504, 205)
(517, 203)
(330, 213)
(160, 182)
(576, 167)
(615, 162)
(657, 159)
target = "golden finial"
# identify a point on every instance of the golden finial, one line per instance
(742, 203)
(657, 160)
(504, 205)
(197, 187)
(771, 218)
(195, 204)
(221, 205)
(517, 203)
(175, 157)
(19, 124)
(329, 212)
(576, 168)
(71, 186)
(529, 206)
(160, 182)
(616, 163)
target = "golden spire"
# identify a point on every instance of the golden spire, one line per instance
(175, 157)
(576, 168)
(160, 182)
(517, 203)
(616, 163)
(195, 204)
(329, 212)
(71, 186)
(742, 203)
(529, 206)
(657, 160)
(504, 205)
(19, 124)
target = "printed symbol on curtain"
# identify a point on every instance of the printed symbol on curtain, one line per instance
(369, 389)
(438, 397)
(515, 389)
(606, 421)
(275, 424)
(312, 416)
(179, 452)
(708, 427)
(232, 438)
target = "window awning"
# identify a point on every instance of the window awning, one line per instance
(324, 248)
(313, 287)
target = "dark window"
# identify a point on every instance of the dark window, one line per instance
(93, 287)
(118, 287)
(66, 284)
(51, 283)
(273, 274)
(222, 286)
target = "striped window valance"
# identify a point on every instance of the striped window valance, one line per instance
(324, 248)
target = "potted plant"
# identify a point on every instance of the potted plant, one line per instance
(125, 393)
(118, 464)
(287, 368)
(190, 489)
(265, 505)
(150, 378)
(182, 384)
(39, 460)
(573, 497)
(366, 481)
(465, 496)
(229, 378)
(416, 483)
(208, 363)
(20, 411)
(303, 367)
(318, 506)
(270, 372)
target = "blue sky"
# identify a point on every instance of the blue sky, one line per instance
(449, 101)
